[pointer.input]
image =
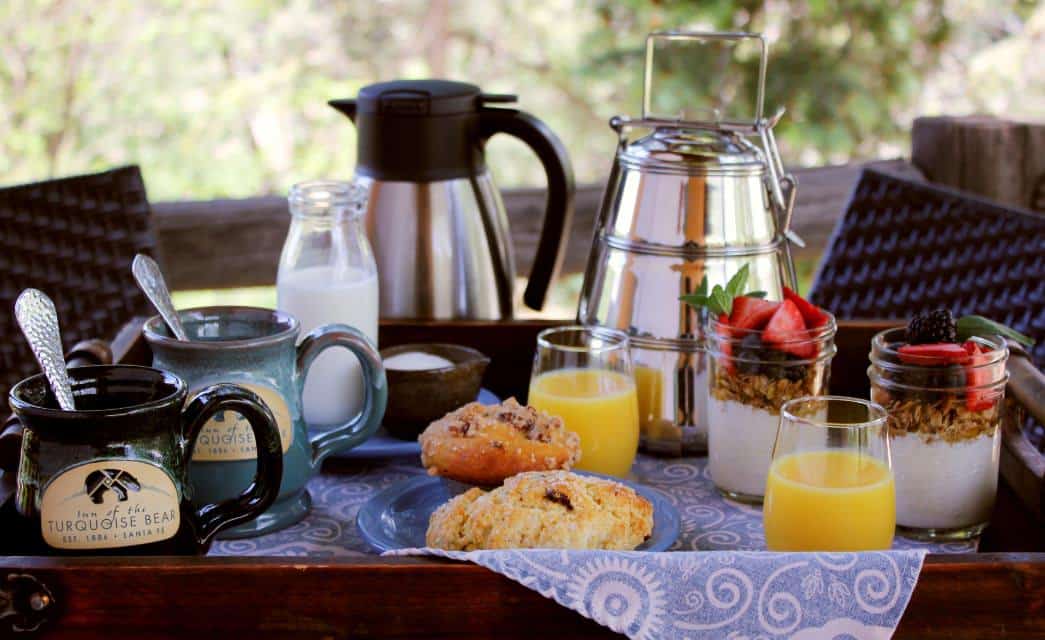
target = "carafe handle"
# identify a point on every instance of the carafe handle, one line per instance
(558, 214)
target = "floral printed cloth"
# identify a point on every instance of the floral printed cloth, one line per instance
(709, 522)
(739, 591)
(738, 595)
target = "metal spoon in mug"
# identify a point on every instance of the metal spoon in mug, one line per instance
(39, 322)
(151, 281)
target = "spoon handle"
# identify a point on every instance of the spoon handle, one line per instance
(39, 322)
(151, 281)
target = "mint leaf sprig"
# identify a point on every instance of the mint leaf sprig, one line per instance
(969, 326)
(720, 300)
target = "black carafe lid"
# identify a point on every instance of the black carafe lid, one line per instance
(419, 130)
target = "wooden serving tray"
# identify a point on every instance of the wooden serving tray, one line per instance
(999, 592)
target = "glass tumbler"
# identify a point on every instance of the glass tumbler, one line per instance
(584, 375)
(830, 485)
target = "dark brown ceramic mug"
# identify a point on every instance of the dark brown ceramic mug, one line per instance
(111, 478)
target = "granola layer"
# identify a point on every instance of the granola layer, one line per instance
(945, 418)
(761, 391)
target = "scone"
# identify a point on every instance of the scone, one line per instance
(483, 445)
(544, 509)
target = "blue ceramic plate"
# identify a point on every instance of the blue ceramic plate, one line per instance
(384, 445)
(397, 518)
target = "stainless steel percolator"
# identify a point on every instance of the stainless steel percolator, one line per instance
(690, 198)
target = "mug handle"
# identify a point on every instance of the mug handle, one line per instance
(375, 388)
(355, 431)
(262, 492)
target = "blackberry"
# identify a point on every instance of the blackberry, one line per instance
(932, 326)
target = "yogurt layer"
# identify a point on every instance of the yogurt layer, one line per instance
(740, 445)
(945, 485)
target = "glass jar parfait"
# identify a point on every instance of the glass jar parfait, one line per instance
(749, 378)
(944, 433)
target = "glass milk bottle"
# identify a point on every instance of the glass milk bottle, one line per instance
(327, 274)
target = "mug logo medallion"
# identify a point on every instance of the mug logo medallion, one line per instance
(228, 436)
(116, 480)
(109, 503)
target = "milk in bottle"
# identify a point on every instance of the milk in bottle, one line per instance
(327, 274)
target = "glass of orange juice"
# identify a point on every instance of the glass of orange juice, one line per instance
(584, 375)
(830, 484)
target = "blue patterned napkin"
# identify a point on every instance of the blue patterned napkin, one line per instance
(709, 521)
(718, 594)
(716, 584)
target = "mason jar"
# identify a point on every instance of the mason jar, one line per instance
(748, 381)
(944, 435)
(671, 381)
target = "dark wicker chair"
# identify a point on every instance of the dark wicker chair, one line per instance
(905, 246)
(73, 238)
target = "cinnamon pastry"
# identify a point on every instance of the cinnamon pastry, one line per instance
(483, 445)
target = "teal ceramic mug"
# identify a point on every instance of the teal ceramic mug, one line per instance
(111, 477)
(257, 349)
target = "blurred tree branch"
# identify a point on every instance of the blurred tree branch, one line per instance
(228, 97)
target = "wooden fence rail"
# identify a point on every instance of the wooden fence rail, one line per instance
(236, 243)
(1001, 159)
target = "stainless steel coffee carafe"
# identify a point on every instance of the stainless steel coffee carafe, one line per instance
(685, 199)
(435, 218)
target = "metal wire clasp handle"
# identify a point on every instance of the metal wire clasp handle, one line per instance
(699, 36)
(780, 184)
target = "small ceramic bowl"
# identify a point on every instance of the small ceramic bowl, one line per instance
(417, 397)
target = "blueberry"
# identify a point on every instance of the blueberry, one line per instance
(773, 363)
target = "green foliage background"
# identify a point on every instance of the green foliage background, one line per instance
(226, 98)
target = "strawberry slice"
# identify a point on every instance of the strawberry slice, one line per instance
(933, 353)
(751, 313)
(813, 315)
(977, 375)
(787, 332)
(725, 344)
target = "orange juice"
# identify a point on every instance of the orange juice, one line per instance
(829, 501)
(650, 387)
(653, 424)
(601, 407)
